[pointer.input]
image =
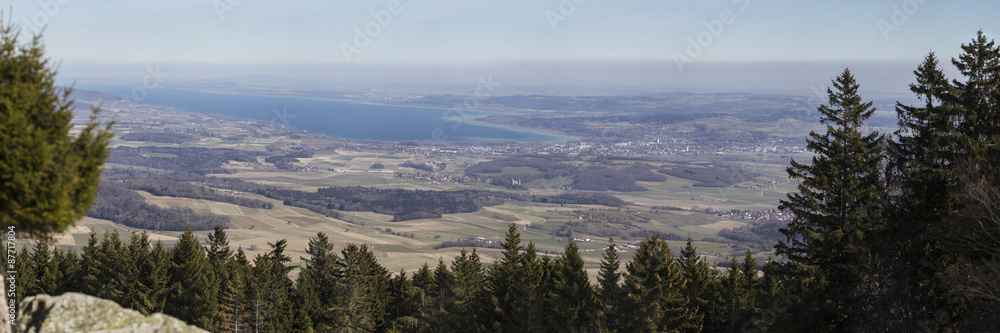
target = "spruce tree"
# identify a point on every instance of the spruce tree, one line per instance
(48, 178)
(365, 296)
(574, 302)
(901, 267)
(89, 282)
(194, 298)
(234, 315)
(507, 283)
(532, 314)
(133, 269)
(46, 270)
(655, 285)
(26, 275)
(976, 99)
(463, 312)
(68, 263)
(840, 202)
(611, 295)
(324, 274)
(156, 276)
(700, 289)
(111, 262)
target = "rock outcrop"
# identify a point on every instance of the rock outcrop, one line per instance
(75, 312)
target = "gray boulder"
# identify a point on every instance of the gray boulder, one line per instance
(75, 312)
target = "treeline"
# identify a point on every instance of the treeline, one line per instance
(177, 138)
(592, 178)
(284, 162)
(197, 160)
(711, 176)
(761, 237)
(469, 243)
(118, 203)
(624, 231)
(192, 191)
(222, 290)
(401, 203)
(418, 166)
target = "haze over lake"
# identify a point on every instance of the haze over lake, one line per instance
(341, 119)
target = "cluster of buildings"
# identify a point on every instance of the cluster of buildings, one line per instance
(757, 214)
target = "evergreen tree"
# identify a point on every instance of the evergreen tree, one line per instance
(89, 282)
(219, 257)
(68, 263)
(403, 307)
(133, 269)
(735, 292)
(234, 314)
(977, 100)
(507, 284)
(611, 295)
(574, 302)
(469, 293)
(45, 269)
(444, 295)
(271, 291)
(700, 288)
(365, 296)
(532, 315)
(655, 285)
(194, 295)
(324, 274)
(156, 276)
(839, 204)
(48, 178)
(111, 261)
(26, 275)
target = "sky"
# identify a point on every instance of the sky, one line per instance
(668, 40)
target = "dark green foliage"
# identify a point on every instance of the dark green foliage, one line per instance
(156, 276)
(321, 273)
(68, 264)
(711, 176)
(45, 270)
(839, 204)
(656, 286)
(48, 178)
(199, 161)
(135, 268)
(194, 289)
(611, 297)
(574, 302)
(158, 137)
(365, 296)
(702, 287)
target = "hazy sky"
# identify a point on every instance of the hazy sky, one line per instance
(248, 36)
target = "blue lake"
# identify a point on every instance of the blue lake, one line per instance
(340, 119)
